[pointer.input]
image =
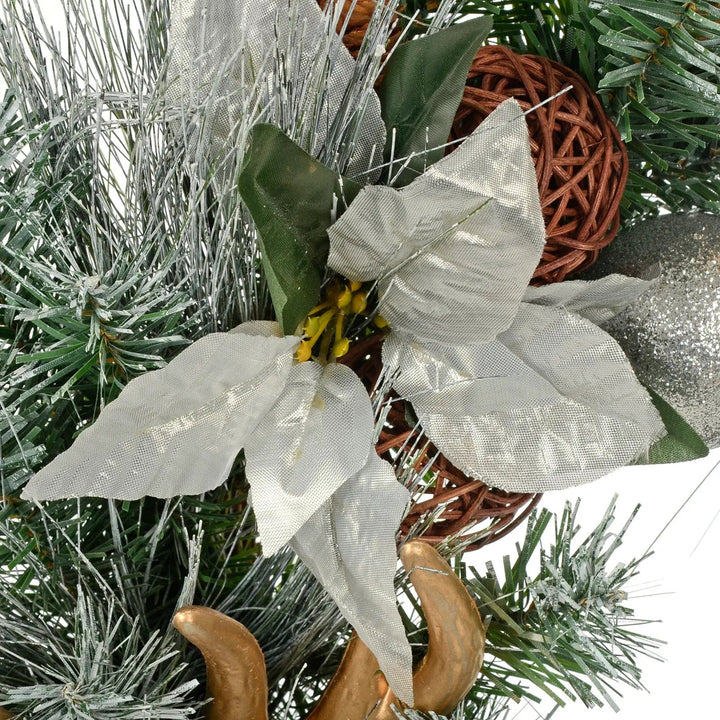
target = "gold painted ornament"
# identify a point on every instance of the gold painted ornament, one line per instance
(236, 677)
(237, 681)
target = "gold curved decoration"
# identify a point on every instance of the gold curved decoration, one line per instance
(456, 642)
(355, 688)
(236, 678)
(236, 671)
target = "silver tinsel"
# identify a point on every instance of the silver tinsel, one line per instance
(672, 333)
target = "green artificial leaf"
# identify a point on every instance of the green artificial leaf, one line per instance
(291, 197)
(420, 94)
(681, 443)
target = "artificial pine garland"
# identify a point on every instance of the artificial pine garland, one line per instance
(122, 244)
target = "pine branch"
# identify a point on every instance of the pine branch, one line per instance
(88, 589)
(567, 631)
(78, 638)
(495, 708)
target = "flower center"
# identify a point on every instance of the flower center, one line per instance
(324, 336)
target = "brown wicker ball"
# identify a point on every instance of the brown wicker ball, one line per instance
(452, 503)
(358, 24)
(581, 163)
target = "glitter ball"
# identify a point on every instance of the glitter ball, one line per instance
(672, 333)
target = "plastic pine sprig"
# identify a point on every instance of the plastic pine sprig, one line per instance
(567, 629)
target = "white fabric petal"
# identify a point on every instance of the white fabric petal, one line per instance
(358, 568)
(552, 403)
(226, 56)
(262, 328)
(316, 436)
(455, 249)
(596, 300)
(175, 431)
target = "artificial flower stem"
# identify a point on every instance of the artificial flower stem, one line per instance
(339, 322)
(325, 319)
(324, 354)
(321, 306)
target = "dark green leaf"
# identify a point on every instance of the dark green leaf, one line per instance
(681, 443)
(420, 94)
(291, 198)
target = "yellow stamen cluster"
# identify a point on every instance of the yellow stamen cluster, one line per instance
(325, 323)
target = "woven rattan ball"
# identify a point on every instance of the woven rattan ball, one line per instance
(358, 24)
(449, 503)
(580, 161)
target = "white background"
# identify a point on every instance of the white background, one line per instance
(679, 584)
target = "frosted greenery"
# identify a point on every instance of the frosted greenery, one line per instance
(122, 240)
(88, 589)
(566, 629)
(120, 243)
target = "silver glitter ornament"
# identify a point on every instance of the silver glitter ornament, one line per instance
(672, 333)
